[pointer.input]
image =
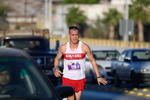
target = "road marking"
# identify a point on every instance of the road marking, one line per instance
(131, 92)
(135, 89)
(139, 94)
(147, 95)
(144, 90)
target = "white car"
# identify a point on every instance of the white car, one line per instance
(103, 58)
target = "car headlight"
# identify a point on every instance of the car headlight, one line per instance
(143, 70)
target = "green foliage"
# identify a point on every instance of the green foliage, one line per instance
(137, 13)
(80, 1)
(138, 10)
(141, 2)
(112, 17)
(97, 30)
(3, 10)
(75, 16)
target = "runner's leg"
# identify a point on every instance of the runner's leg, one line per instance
(71, 97)
(78, 95)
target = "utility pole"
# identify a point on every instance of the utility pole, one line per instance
(48, 15)
(25, 10)
(50, 18)
(126, 38)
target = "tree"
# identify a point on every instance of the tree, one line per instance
(3, 10)
(80, 1)
(76, 17)
(3, 14)
(96, 29)
(112, 18)
(138, 12)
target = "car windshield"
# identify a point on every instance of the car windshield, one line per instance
(143, 55)
(106, 55)
(25, 43)
(24, 81)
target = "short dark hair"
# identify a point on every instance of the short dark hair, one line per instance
(73, 27)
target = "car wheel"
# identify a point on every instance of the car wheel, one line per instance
(117, 81)
(134, 82)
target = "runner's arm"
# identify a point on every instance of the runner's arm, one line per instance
(91, 58)
(56, 70)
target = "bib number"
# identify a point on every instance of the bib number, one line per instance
(73, 66)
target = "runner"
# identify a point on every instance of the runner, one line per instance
(74, 53)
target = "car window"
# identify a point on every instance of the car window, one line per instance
(105, 54)
(143, 55)
(25, 81)
(25, 44)
(128, 54)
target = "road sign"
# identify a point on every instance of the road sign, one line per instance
(122, 27)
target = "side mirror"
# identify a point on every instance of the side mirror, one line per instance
(127, 59)
(65, 91)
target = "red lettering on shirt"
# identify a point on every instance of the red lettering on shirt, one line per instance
(74, 56)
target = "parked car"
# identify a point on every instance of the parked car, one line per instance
(103, 57)
(38, 47)
(133, 66)
(24, 80)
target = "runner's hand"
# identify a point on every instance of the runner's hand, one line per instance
(58, 73)
(101, 80)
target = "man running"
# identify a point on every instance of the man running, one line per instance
(74, 53)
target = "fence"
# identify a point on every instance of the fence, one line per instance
(112, 43)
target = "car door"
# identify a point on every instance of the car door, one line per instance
(126, 65)
(119, 68)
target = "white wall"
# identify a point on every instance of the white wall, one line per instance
(119, 2)
(91, 11)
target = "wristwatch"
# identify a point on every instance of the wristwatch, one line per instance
(55, 68)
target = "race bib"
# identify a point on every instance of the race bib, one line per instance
(73, 66)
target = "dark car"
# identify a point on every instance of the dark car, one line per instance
(133, 66)
(38, 47)
(26, 82)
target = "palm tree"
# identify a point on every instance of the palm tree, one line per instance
(138, 12)
(3, 10)
(4, 25)
(76, 17)
(112, 18)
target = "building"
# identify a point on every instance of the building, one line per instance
(31, 13)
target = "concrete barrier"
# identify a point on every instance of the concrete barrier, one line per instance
(112, 43)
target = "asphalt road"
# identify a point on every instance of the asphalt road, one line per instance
(109, 92)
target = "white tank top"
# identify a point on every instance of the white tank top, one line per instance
(74, 63)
